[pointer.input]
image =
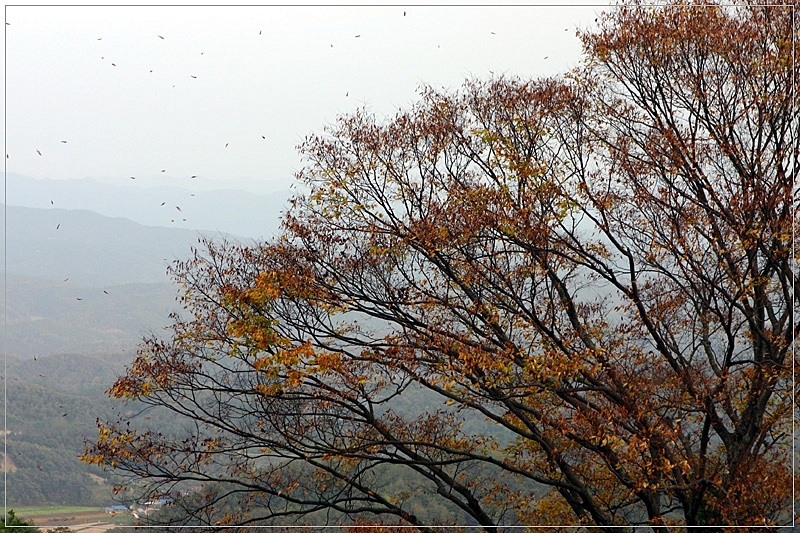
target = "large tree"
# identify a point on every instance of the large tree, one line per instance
(555, 301)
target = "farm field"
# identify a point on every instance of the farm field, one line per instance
(78, 518)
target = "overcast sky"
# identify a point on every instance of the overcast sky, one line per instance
(226, 93)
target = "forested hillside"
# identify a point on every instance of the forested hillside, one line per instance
(45, 432)
(80, 292)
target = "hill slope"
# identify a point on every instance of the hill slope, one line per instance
(89, 249)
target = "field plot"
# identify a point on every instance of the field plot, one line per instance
(83, 519)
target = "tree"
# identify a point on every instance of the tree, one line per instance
(587, 280)
(11, 522)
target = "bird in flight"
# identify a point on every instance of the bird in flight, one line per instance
(38, 152)
(58, 226)
(160, 37)
(193, 177)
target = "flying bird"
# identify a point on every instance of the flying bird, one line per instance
(163, 170)
(160, 37)
(357, 36)
(178, 208)
(133, 178)
(105, 291)
(162, 203)
(38, 152)
(58, 226)
(113, 64)
(79, 299)
(65, 142)
(195, 77)
(51, 202)
(226, 145)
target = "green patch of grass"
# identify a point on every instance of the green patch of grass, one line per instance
(43, 510)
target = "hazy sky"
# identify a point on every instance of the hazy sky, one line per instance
(137, 90)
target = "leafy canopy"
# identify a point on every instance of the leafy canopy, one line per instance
(549, 301)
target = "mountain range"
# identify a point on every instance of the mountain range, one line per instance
(79, 291)
(85, 262)
(193, 206)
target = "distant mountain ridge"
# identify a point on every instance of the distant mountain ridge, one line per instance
(233, 211)
(88, 248)
(81, 282)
